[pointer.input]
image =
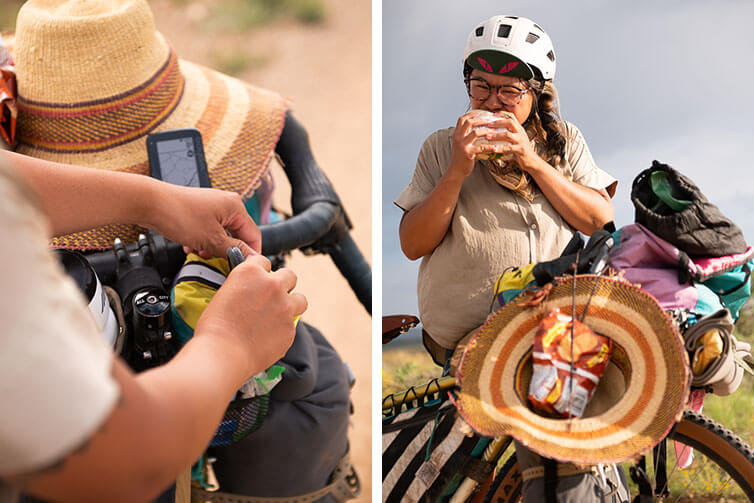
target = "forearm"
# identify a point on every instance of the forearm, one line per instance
(76, 198)
(161, 425)
(423, 227)
(585, 209)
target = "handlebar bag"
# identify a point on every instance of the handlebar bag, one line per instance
(300, 409)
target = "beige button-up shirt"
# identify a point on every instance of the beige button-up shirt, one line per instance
(55, 367)
(492, 228)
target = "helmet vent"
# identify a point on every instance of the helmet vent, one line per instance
(503, 30)
(479, 31)
(551, 55)
(538, 27)
(532, 37)
(511, 17)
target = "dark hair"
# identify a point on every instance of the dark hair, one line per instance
(544, 123)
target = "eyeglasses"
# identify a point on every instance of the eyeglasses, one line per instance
(480, 89)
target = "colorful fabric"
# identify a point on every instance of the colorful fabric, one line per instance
(658, 266)
(511, 283)
(194, 286)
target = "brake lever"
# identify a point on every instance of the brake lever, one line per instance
(235, 257)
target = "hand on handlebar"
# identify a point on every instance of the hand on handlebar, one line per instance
(205, 221)
(254, 311)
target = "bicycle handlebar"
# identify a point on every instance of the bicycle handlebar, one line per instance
(300, 230)
(319, 224)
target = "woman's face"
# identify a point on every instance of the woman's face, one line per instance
(508, 94)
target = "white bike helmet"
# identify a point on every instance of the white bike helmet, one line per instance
(511, 45)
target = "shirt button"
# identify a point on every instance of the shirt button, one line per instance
(533, 227)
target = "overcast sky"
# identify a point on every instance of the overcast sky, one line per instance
(671, 81)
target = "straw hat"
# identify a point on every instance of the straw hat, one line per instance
(95, 78)
(638, 400)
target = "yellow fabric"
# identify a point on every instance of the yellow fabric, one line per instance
(712, 348)
(191, 297)
(515, 279)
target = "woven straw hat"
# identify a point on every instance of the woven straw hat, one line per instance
(95, 78)
(648, 367)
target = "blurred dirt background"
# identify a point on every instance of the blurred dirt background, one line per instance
(316, 53)
(322, 63)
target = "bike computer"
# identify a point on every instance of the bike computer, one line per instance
(177, 157)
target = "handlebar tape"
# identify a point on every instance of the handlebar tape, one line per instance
(299, 230)
(354, 268)
(308, 183)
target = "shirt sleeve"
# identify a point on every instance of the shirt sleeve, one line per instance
(56, 385)
(429, 169)
(584, 169)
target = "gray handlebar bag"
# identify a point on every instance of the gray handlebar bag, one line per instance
(304, 434)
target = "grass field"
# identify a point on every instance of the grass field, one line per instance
(408, 365)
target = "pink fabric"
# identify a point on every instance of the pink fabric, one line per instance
(684, 454)
(707, 266)
(652, 262)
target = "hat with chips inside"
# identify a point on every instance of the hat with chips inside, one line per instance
(638, 400)
(95, 78)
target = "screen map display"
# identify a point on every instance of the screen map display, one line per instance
(177, 162)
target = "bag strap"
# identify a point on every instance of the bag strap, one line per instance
(345, 485)
(684, 273)
(551, 480)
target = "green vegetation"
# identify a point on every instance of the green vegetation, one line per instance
(241, 15)
(236, 62)
(406, 367)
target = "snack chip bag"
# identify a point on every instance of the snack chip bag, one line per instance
(550, 389)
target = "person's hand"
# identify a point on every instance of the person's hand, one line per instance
(519, 144)
(464, 152)
(205, 221)
(469, 128)
(254, 310)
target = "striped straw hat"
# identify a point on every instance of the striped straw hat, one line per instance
(638, 400)
(95, 78)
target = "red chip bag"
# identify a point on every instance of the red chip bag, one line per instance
(550, 389)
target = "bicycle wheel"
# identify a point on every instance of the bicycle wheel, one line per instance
(723, 466)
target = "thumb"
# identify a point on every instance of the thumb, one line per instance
(246, 250)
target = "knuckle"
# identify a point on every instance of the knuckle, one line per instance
(234, 197)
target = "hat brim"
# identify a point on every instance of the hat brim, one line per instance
(653, 400)
(240, 125)
(499, 63)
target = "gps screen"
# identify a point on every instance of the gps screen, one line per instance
(177, 162)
